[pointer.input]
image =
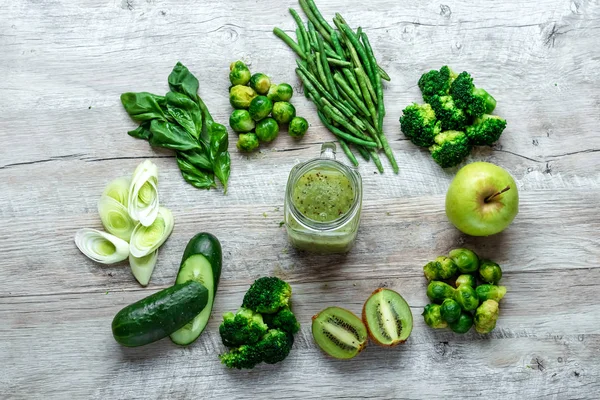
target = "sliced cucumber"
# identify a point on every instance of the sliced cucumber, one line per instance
(201, 263)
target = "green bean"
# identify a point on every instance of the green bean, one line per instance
(317, 14)
(376, 160)
(353, 54)
(336, 44)
(383, 74)
(300, 40)
(359, 49)
(358, 122)
(348, 152)
(302, 28)
(289, 41)
(349, 73)
(347, 102)
(388, 152)
(378, 87)
(338, 117)
(363, 152)
(312, 35)
(343, 134)
(339, 17)
(323, 59)
(360, 74)
(344, 86)
(306, 74)
(313, 96)
(312, 65)
(312, 18)
(321, 72)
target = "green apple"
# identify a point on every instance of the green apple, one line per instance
(482, 199)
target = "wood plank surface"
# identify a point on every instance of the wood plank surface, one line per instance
(63, 137)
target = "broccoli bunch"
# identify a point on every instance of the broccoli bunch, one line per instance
(455, 117)
(264, 327)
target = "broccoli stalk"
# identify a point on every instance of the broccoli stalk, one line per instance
(418, 123)
(267, 295)
(450, 148)
(244, 327)
(436, 83)
(485, 130)
(474, 101)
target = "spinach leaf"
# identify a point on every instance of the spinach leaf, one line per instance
(218, 154)
(197, 158)
(142, 131)
(143, 106)
(181, 80)
(186, 112)
(194, 176)
(171, 136)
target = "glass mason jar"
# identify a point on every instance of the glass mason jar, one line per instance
(323, 201)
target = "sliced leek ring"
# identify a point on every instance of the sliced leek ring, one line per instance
(143, 194)
(142, 267)
(101, 247)
(115, 218)
(146, 239)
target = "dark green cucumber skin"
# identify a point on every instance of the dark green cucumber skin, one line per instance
(209, 246)
(157, 316)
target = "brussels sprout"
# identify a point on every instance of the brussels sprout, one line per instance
(465, 259)
(433, 318)
(241, 96)
(239, 74)
(283, 112)
(466, 297)
(486, 316)
(260, 83)
(298, 127)
(466, 279)
(260, 107)
(272, 93)
(441, 268)
(247, 142)
(267, 129)
(490, 292)
(450, 310)
(240, 121)
(438, 291)
(490, 272)
(463, 323)
(284, 92)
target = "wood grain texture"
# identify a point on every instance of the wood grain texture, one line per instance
(63, 67)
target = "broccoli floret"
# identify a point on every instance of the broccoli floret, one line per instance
(474, 101)
(245, 327)
(284, 320)
(275, 346)
(245, 356)
(419, 124)
(485, 130)
(434, 82)
(452, 117)
(450, 148)
(267, 295)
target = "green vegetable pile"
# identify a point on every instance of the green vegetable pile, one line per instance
(455, 116)
(254, 98)
(136, 225)
(343, 79)
(453, 305)
(263, 329)
(181, 121)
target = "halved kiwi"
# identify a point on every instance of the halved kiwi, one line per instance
(388, 317)
(339, 333)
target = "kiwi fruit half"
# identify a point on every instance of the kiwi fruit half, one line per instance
(388, 317)
(339, 333)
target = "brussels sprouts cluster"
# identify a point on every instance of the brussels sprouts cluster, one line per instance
(261, 108)
(464, 292)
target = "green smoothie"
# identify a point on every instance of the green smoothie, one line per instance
(323, 194)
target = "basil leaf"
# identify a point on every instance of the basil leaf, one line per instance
(141, 132)
(197, 159)
(186, 112)
(194, 176)
(218, 154)
(143, 106)
(171, 136)
(183, 81)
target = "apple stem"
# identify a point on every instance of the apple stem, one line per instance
(489, 198)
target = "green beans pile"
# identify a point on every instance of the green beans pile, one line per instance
(341, 76)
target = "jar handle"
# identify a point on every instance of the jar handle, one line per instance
(328, 151)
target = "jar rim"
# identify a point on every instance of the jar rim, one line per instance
(351, 173)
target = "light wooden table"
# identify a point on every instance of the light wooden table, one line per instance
(63, 136)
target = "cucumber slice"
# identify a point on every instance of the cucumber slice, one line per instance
(201, 263)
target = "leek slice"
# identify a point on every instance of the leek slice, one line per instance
(146, 239)
(100, 246)
(142, 267)
(143, 194)
(115, 218)
(119, 190)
